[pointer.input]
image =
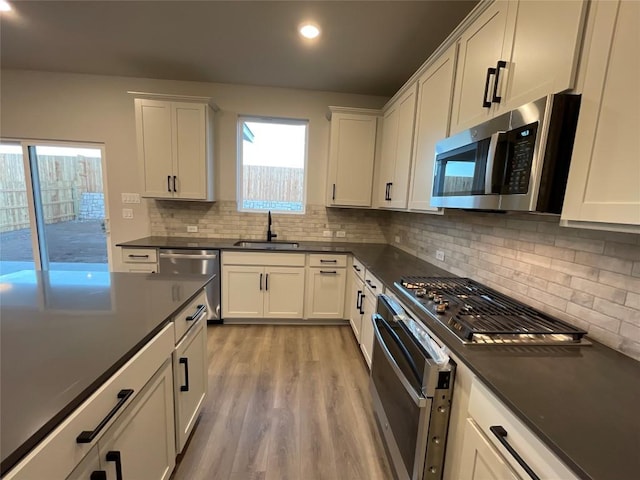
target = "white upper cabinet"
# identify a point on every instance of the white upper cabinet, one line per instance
(397, 142)
(514, 53)
(603, 189)
(435, 88)
(175, 148)
(352, 150)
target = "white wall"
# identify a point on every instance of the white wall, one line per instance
(91, 108)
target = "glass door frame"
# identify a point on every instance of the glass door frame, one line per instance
(36, 219)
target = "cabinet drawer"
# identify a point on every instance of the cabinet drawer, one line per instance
(373, 283)
(190, 315)
(265, 259)
(488, 411)
(59, 453)
(322, 260)
(359, 269)
(139, 255)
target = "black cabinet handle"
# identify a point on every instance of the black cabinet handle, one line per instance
(357, 268)
(266, 282)
(114, 456)
(487, 103)
(359, 300)
(185, 361)
(131, 255)
(98, 475)
(501, 434)
(501, 64)
(328, 261)
(386, 191)
(174, 184)
(88, 435)
(333, 195)
(371, 285)
(328, 272)
(260, 282)
(199, 310)
(169, 183)
(389, 191)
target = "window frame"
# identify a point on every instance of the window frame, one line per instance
(239, 160)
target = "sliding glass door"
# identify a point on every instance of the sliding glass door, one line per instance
(64, 201)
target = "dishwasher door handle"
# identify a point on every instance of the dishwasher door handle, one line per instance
(188, 256)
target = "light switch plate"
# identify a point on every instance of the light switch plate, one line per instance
(397, 238)
(192, 229)
(127, 213)
(341, 234)
(440, 255)
(130, 198)
(327, 233)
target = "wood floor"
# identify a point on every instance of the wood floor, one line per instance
(285, 403)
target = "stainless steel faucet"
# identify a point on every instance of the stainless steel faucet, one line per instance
(270, 236)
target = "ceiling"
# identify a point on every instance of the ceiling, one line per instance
(368, 47)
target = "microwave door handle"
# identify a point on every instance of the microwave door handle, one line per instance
(491, 156)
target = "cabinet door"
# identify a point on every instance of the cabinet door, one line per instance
(89, 468)
(242, 291)
(189, 150)
(480, 460)
(554, 28)
(387, 154)
(355, 312)
(435, 87)
(480, 48)
(366, 335)
(190, 365)
(154, 138)
(142, 441)
(325, 293)
(284, 292)
(604, 178)
(351, 159)
(399, 189)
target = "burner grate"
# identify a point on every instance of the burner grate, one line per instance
(479, 310)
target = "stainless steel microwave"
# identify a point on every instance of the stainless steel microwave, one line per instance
(516, 161)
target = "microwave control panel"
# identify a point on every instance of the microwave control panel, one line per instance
(520, 158)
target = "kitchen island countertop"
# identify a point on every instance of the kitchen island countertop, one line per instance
(63, 334)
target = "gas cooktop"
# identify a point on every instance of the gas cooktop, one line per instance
(478, 315)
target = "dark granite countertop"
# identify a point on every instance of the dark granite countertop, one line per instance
(581, 402)
(62, 334)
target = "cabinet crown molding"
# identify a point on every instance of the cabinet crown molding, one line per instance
(359, 111)
(177, 98)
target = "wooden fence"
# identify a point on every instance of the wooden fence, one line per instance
(62, 182)
(281, 184)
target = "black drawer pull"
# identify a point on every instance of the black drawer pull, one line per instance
(98, 475)
(501, 64)
(359, 300)
(114, 456)
(88, 435)
(200, 309)
(185, 361)
(357, 268)
(333, 195)
(328, 272)
(487, 103)
(261, 282)
(328, 261)
(169, 183)
(266, 282)
(133, 255)
(174, 183)
(371, 284)
(501, 434)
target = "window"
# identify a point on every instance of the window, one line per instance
(272, 155)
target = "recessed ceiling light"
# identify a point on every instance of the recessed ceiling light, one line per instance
(309, 30)
(5, 6)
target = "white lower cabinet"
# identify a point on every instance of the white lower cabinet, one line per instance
(190, 380)
(480, 460)
(355, 306)
(140, 444)
(325, 292)
(367, 334)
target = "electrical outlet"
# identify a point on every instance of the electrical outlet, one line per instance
(341, 234)
(130, 198)
(327, 233)
(192, 229)
(127, 213)
(440, 255)
(397, 238)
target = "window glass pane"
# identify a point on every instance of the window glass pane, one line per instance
(16, 247)
(70, 207)
(272, 163)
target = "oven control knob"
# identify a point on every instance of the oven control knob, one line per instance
(421, 292)
(441, 308)
(432, 294)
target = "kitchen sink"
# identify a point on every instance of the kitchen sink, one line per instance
(266, 245)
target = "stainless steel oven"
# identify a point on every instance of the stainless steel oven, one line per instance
(411, 383)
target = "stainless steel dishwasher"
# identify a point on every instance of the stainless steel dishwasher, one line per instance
(207, 262)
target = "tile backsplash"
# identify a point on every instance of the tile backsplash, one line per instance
(588, 278)
(222, 220)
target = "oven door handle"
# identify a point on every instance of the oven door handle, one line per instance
(491, 157)
(419, 400)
